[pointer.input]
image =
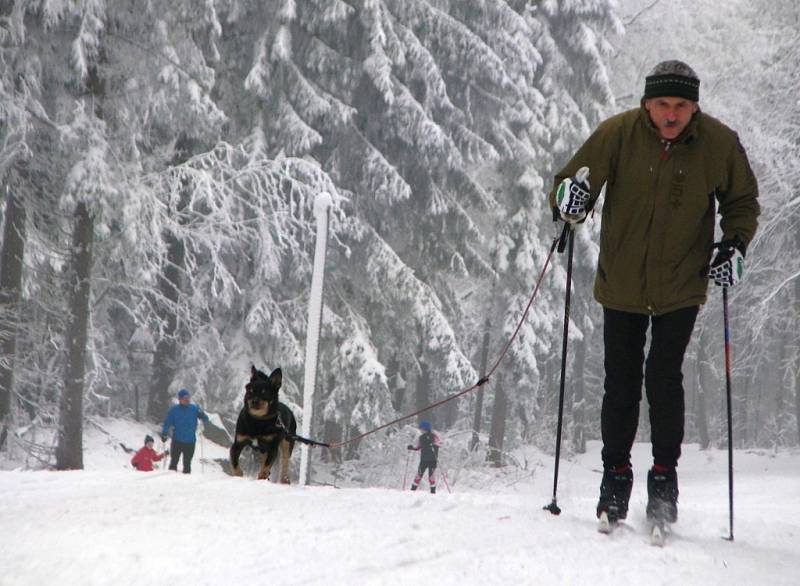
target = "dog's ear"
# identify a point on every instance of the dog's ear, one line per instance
(253, 371)
(276, 378)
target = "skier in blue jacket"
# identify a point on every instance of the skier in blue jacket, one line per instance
(182, 418)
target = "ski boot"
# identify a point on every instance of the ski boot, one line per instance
(615, 492)
(662, 495)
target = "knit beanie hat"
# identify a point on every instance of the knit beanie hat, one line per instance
(424, 425)
(148, 439)
(672, 79)
(183, 393)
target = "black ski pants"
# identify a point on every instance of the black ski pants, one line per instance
(178, 449)
(430, 465)
(624, 336)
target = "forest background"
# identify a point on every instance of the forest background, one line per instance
(160, 162)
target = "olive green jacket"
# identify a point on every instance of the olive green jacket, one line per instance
(658, 215)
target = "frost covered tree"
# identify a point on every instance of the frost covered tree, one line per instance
(436, 120)
(193, 137)
(14, 168)
(79, 80)
(768, 127)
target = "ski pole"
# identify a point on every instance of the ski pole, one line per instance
(569, 234)
(447, 484)
(405, 474)
(202, 459)
(730, 416)
(164, 451)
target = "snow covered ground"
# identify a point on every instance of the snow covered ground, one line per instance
(110, 524)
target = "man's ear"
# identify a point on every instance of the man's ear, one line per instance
(276, 378)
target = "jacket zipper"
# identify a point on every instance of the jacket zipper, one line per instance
(663, 156)
(665, 152)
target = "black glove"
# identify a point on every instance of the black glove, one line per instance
(410, 447)
(166, 452)
(164, 438)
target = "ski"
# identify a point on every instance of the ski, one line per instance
(658, 533)
(606, 525)
(658, 529)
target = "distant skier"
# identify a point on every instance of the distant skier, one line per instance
(144, 458)
(428, 445)
(182, 418)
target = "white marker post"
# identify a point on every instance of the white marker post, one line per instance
(322, 205)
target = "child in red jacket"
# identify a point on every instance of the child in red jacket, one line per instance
(144, 458)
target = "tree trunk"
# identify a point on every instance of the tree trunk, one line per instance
(422, 393)
(170, 285)
(578, 393)
(700, 415)
(69, 453)
(394, 374)
(10, 291)
(498, 430)
(166, 354)
(332, 432)
(476, 422)
(779, 394)
(796, 360)
(745, 425)
(797, 410)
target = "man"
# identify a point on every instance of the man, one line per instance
(664, 164)
(182, 418)
(428, 445)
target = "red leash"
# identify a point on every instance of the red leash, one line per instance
(481, 381)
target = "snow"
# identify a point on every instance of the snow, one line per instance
(109, 524)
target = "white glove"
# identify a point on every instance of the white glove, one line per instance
(572, 196)
(727, 268)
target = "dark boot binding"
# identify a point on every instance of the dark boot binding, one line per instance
(615, 492)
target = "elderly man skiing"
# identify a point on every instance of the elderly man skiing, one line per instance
(666, 166)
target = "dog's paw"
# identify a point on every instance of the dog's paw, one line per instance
(285, 480)
(237, 472)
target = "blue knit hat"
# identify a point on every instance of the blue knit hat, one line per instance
(424, 425)
(183, 393)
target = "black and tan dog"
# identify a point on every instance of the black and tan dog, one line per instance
(265, 424)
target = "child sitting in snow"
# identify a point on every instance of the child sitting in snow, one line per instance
(144, 458)
(428, 445)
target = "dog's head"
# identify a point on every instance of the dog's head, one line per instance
(261, 393)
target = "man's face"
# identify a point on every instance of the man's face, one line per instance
(670, 115)
(184, 400)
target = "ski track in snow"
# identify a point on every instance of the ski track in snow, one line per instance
(111, 525)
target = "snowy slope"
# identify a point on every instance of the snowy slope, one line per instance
(109, 524)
